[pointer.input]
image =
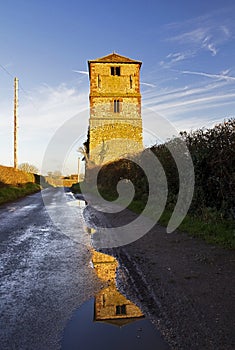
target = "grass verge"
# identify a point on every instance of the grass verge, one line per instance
(220, 232)
(215, 232)
(10, 193)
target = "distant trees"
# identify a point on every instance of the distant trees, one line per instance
(28, 168)
(54, 178)
(57, 174)
(54, 174)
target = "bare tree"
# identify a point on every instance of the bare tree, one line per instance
(28, 168)
(84, 152)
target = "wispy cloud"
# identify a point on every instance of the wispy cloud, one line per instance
(38, 121)
(175, 57)
(204, 33)
(196, 104)
(198, 39)
(226, 31)
(177, 95)
(81, 72)
(208, 44)
(148, 84)
(52, 106)
(195, 36)
(220, 76)
(173, 101)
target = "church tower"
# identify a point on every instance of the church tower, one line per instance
(115, 125)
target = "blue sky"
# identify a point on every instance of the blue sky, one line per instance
(188, 72)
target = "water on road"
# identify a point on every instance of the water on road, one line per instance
(56, 290)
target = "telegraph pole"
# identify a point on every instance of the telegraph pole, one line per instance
(78, 169)
(16, 102)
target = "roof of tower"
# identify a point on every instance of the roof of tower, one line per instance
(114, 58)
(120, 322)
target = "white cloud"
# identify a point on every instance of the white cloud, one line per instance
(41, 113)
(206, 32)
(208, 44)
(226, 31)
(196, 104)
(176, 57)
(51, 107)
(222, 75)
(196, 36)
(81, 72)
(148, 84)
(212, 49)
(190, 98)
(197, 39)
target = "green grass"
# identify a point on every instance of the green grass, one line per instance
(214, 231)
(10, 193)
(220, 232)
(75, 188)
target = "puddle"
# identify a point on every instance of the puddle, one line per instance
(110, 320)
(77, 203)
(84, 332)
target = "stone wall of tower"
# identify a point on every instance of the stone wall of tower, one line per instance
(115, 140)
(102, 82)
(106, 302)
(109, 298)
(114, 135)
(102, 107)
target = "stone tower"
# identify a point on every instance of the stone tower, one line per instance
(115, 125)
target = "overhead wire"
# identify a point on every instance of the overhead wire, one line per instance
(20, 86)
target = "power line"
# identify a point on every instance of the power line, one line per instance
(6, 71)
(19, 86)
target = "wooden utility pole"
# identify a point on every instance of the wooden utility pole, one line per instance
(78, 169)
(16, 89)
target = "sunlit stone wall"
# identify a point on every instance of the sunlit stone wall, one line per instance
(110, 304)
(115, 109)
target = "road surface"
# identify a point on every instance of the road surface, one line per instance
(185, 286)
(45, 269)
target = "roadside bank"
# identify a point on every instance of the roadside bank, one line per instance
(11, 193)
(16, 184)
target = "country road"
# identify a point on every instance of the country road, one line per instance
(183, 285)
(45, 270)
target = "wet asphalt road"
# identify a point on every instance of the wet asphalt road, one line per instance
(45, 269)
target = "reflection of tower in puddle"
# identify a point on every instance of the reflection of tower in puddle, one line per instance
(110, 305)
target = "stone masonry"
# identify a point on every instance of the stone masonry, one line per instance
(115, 125)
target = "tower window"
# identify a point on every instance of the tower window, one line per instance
(115, 71)
(120, 309)
(131, 82)
(99, 81)
(116, 106)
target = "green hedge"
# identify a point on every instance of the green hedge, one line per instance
(212, 210)
(10, 193)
